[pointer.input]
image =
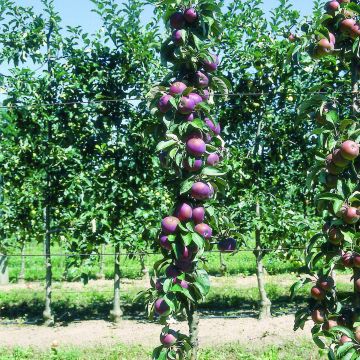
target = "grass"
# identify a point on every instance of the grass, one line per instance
(289, 351)
(242, 263)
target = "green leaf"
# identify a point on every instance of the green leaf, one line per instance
(165, 144)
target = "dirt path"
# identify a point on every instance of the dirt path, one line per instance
(248, 332)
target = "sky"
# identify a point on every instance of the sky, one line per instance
(78, 12)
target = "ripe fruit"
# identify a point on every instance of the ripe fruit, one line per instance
(347, 259)
(196, 147)
(185, 265)
(213, 159)
(326, 283)
(349, 27)
(177, 20)
(349, 150)
(211, 66)
(184, 212)
(204, 230)
(161, 306)
(331, 167)
(317, 293)
(177, 88)
(227, 245)
(196, 98)
(186, 105)
(201, 79)
(164, 242)
(189, 117)
(216, 129)
(170, 225)
(344, 339)
(356, 260)
(318, 316)
(184, 284)
(198, 215)
(169, 339)
(195, 167)
(190, 15)
(186, 254)
(159, 285)
(351, 215)
(335, 236)
(178, 37)
(329, 325)
(291, 37)
(205, 95)
(332, 6)
(172, 271)
(201, 191)
(357, 284)
(338, 159)
(164, 104)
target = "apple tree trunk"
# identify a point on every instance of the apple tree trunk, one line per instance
(4, 270)
(265, 303)
(193, 322)
(116, 312)
(21, 278)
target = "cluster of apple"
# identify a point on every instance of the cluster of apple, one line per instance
(186, 233)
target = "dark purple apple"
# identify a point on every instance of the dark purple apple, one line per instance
(185, 265)
(195, 147)
(213, 159)
(177, 88)
(186, 105)
(189, 117)
(177, 20)
(204, 230)
(172, 271)
(205, 95)
(195, 167)
(184, 212)
(198, 215)
(227, 245)
(178, 37)
(211, 66)
(161, 306)
(159, 285)
(184, 284)
(196, 97)
(164, 104)
(216, 129)
(201, 191)
(169, 339)
(164, 242)
(201, 80)
(186, 254)
(170, 225)
(190, 15)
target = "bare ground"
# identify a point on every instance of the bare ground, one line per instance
(248, 332)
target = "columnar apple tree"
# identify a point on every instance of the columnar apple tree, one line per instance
(335, 175)
(194, 155)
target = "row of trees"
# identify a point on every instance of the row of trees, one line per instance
(78, 159)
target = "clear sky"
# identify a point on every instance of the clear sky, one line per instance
(78, 12)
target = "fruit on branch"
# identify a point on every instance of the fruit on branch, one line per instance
(292, 38)
(158, 285)
(344, 339)
(351, 215)
(178, 37)
(349, 150)
(201, 80)
(164, 104)
(326, 283)
(317, 293)
(184, 212)
(213, 159)
(195, 167)
(184, 284)
(190, 15)
(204, 230)
(335, 236)
(177, 20)
(170, 225)
(172, 271)
(332, 6)
(331, 167)
(227, 245)
(339, 160)
(198, 215)
(185, 265)
(211, 66)
(161, 306)
(196, 98)
(216, 129)
(347, 259)
(177, 88)
(169, 338)
(164, 242)
(205, 95)
(318, 316)
(189, 117)
(350, 27)
(356, 260)
(329, 324)
(186, 105)
(195, 147)
(357, 284)
(186, 254)
(201, 191)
